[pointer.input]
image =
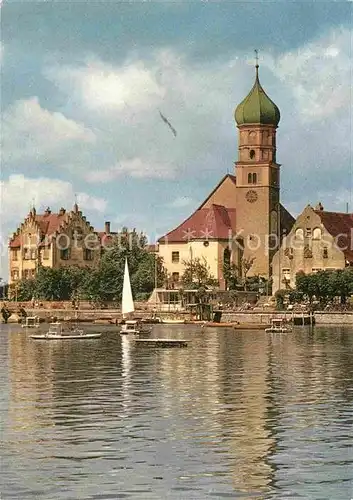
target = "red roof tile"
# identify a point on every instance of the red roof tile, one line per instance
(214, 223)
(340, 226)
(48, 224)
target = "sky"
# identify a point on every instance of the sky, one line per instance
(83, 84)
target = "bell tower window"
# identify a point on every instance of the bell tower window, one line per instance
(252, 154)
(252, 178)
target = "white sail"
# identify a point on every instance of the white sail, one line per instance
(127, 305)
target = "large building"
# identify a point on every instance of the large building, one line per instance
(319, 240)
(53, 240)
(242, 218)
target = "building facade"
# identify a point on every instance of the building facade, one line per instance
(319, 240)
(53, 240)
(242, 218)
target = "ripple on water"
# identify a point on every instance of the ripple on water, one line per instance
(235, 415)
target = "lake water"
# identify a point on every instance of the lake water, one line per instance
(234, 415)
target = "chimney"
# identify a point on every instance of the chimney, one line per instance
(107, 228)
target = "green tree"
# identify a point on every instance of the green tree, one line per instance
(231, 275)
(25, 289)
(197, 274)
(246, 264)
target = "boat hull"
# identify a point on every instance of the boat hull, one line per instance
(88, 336)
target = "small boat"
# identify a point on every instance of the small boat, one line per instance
(57, 332)
(127, 307)
(278, 326)
(162, 342)
(133, 326)
(30, 322)
(172, 321)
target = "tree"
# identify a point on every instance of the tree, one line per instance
(197, 274)
(25, 289)
(231, 275)
(246, 264)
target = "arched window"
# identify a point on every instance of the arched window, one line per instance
(252, 137)
(317, 233)
(252, 154)
(252, 178)
(299, 234)
(226, 256)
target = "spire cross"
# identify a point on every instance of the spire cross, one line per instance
(256, 58)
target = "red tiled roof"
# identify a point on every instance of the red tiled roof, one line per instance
(340, 226)
(48, 224)
(214, 223)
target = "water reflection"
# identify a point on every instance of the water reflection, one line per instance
(236, 413)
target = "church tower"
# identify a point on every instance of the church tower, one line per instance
(257, 178)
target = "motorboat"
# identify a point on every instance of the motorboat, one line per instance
(30, 322)
(278, 326)
(58, 332)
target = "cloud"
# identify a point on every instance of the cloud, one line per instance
(32, 134)
(19, 192)
(319, 74)
(180, 202)
(104, 87)
(134, 168)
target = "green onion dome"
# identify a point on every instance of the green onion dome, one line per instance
(257, 107)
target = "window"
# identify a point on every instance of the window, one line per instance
(252, 178)
(175, 277)
(14, 254)
(33, 254)
(252, 154)
(46, 253)
(317, 233)
(15, 274)
(27, 274)
(88, 254)
(26, 253)
(325, 253)
(308, 232)
(175, 257)
(65, 254)
(299, 234)
(286, 272)
(252, 137)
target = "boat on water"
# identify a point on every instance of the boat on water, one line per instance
(130, 326)
(278, 326)
(58, 332)
(30, 322)
(172, 321)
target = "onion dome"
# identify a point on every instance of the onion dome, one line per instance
(257, 107)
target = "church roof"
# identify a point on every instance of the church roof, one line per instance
(257, 107)
(214, 223)
(340, 226)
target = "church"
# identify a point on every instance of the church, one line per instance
(242, 220)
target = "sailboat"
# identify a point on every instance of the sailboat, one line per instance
(128, 307)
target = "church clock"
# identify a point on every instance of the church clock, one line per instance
(251, 196)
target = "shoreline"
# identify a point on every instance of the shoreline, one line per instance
(111, 316)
